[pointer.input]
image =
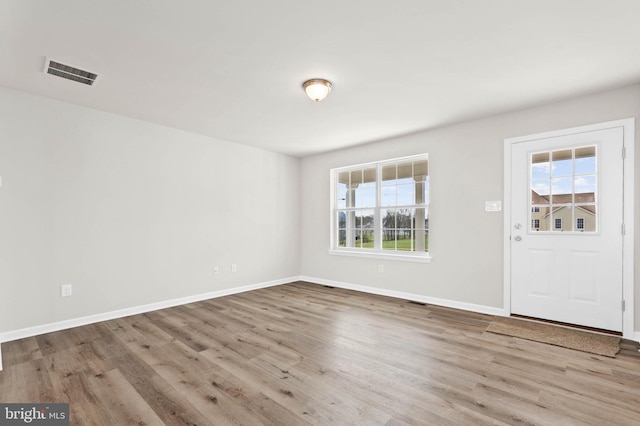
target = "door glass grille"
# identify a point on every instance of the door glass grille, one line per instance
(563, 185)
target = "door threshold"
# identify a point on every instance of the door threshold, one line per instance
(567, 325)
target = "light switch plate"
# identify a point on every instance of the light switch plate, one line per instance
(492, 206)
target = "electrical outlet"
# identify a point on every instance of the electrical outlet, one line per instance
(234, 267)
(66, 290)
(216, 270)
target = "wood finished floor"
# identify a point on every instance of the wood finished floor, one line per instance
(306, 354)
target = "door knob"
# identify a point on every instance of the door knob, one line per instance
(517, 226)
(518, 238)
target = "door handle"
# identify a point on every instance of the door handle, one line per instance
(517, 226)
(518, 238)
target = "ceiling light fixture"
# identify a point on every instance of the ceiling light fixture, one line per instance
(317, 88)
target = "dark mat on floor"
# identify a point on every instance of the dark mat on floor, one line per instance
(585, 341)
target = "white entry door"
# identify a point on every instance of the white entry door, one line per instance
(567, 228)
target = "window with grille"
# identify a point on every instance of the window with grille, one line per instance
(382, 208)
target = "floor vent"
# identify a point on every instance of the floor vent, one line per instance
(70, 73)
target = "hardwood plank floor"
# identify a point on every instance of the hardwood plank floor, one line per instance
(302, 354)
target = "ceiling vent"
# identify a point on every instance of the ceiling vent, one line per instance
(70, 73)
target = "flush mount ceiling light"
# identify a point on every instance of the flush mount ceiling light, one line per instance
(317, 88)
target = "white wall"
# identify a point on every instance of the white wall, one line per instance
(466, 169)
(131, 213)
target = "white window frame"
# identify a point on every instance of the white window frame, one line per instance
(377, 251)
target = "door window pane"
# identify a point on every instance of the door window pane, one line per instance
(563, 186)
(585, 163)
(585, 185)
(557, 224)
(540, 166)
(585, 218)
(562, 163)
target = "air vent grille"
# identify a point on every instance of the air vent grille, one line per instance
(70, 73)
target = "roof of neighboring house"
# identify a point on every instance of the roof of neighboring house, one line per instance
(566, 199)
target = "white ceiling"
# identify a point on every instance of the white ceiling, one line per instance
(233, 69)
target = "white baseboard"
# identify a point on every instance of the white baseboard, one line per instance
(91, 319)
(490, 310)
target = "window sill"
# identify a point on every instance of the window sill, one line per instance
(388, 256)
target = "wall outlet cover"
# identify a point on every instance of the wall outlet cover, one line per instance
(66, 290)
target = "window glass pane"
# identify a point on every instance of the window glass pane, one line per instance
(536, 218)
(366, 238)
(535, 224)
(562, 218)
(388, 194)
(403, 237)
(585, 214)
(403, 218)
(540, 191)
(356, 178)
(369, 197)
(540, 165)
(405, 195)
(342, 238)
(365, 219)
(341, 195)
(342, 219)
(562, 190)
(390, 198)
(562, 163)
(365, 196)
(369, 177)
(389, 174)
(388, 229)
(405, 172)
(420, 225)
(343, 178)
(420, 218)
(585, 162)
(420, 169)
(425, 188)
(347, 222)
(421, 236)
(566, 179)
(585, 185)
(540, 218)
(388, 218)
(405, 240)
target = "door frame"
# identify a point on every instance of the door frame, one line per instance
(628, 125)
